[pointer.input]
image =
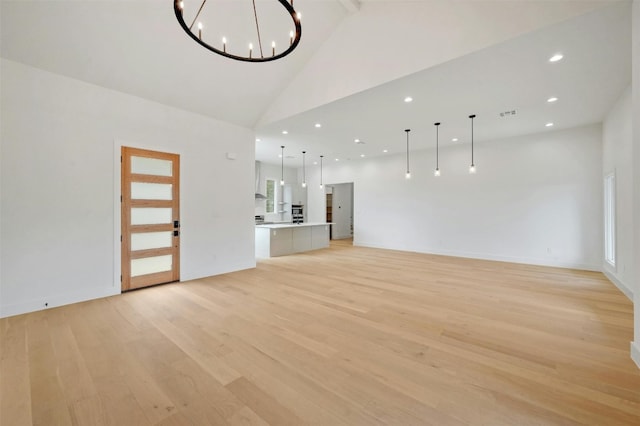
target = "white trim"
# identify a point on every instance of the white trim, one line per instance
(117, 150)
(621, 286)
(610, 219)
(491, 257)
(635, 353)
(117, 190)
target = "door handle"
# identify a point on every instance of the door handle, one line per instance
(176, 233)
(176, 224)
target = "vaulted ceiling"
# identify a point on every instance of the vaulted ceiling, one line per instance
(356, 62)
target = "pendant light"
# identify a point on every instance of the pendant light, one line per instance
(437, 170)
(472, 167)
(321, 171)
(408, 174)
(282, 166)
(304, 171)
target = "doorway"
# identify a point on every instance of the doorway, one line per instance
(339, 204)
(150, 218)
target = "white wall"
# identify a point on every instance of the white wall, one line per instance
(635, 349)
(617, 157)
(535, 199)
(273, 172)
(60, 141)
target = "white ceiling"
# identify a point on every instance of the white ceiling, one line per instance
(138, 47)
(450, 55)
(514, 75)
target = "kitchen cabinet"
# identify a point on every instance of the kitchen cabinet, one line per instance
(281, 239)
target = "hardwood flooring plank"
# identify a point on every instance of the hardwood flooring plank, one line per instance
(15, 388)
(339, 336)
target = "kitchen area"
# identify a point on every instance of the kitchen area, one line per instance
(281, 227)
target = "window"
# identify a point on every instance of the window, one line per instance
(610, 218)
(271, 195)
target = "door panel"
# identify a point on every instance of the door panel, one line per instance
(150, 218)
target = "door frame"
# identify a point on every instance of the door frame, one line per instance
(117, 190)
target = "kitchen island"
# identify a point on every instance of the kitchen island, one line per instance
(281, 239)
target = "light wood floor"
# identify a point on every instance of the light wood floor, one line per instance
(342, 336)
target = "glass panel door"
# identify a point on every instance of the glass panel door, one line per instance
(150, 218)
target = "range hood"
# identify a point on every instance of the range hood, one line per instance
(259, 195)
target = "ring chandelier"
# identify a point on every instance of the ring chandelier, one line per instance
(195, 30)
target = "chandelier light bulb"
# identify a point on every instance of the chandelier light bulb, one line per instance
(304, 184)
(472, 169)
(436, 173)
(281, 183)
(407, 175)
(299, 16)
(181, 5)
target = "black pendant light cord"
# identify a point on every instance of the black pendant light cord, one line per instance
(197, 14)
(304, 172)
(407, 130)
(472, 117)
(437, 146)
(282, 166)
(255, 14)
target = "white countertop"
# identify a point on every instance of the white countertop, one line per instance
(292, 225)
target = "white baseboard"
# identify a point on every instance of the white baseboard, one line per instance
(621, 286)
(485, 256)
(635, 353)
(56, 300)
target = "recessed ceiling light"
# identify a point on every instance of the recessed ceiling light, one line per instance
(279, 155)
(556, 57)
(361, 155)
(315, 163)
(337, 159)
(284, 132)
(552, 99)
(408, 99)
(356, 140)
(454, 140)
(257, 139)
(549, 125)
(318, 125)
(385, 150)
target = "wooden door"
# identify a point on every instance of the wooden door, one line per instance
(150, 218)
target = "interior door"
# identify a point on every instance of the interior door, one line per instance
(150, 218)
